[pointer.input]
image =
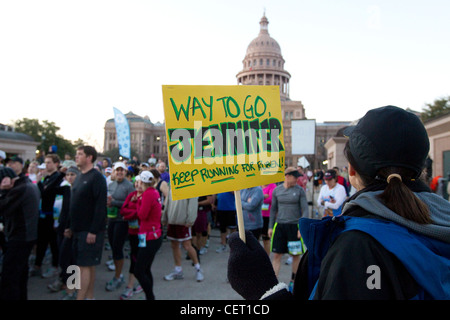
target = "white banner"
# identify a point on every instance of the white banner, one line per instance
(303, 136)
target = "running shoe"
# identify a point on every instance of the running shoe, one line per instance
(114, 283)
(137, 289)
(222, 248)
(127, 294)
(56, 285)
(174, 276)
(199, 277)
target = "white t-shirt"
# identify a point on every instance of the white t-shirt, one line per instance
(338, 193)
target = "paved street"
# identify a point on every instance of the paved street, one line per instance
(214, 287)
(214, 265)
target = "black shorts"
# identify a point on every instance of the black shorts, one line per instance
(87, 255)
(226, 219)
(282, 235)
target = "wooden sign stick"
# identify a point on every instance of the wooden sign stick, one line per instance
(240, 216)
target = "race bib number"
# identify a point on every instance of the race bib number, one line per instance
(295, 247)
(142, 240)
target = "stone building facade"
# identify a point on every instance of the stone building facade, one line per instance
(17, 143)
(146, 138)
(438, 130)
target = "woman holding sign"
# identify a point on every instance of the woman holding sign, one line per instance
(392, 241)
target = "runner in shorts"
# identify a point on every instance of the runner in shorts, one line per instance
(180, 215)
(289, 204)
(87, 219)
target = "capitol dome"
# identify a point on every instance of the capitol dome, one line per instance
(264, 43)
(263, 63)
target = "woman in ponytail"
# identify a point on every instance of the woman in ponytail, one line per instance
(392, 240)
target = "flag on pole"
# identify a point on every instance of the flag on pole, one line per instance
(123, 133)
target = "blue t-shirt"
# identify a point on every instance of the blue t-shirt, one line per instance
(226, 201)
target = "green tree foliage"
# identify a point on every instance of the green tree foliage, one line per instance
(437, 108)
(46, 134)
(114, 154)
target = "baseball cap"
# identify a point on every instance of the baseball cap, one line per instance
(146, 176)
(108, 170)
(292, 171)
(329, 174)
(388, 137)
(42, 166)
(120, 164)
(15, 159)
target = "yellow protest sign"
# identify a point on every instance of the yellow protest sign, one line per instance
(222, 138)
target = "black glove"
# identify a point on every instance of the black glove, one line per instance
(250, 271)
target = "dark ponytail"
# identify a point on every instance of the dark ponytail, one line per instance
(396, 196)
(400, 199)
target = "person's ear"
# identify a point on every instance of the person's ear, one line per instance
(351, 170)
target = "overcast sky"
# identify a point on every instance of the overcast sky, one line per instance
(71, 62)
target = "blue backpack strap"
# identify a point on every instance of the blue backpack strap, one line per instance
(420, 255)
(318, 235)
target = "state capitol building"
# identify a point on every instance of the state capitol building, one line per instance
(263, 64)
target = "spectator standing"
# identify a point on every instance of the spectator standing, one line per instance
(302, 180)
(164, 175)
(87, 219)
(32, 171)
(150, 240)
(318, 179)
(200, 227)
(106, 163)
(19, 208)
(66, 257)
(332, 195)
(252, 200)
(118, 191)
(49, 187)
(226, 217)
(130, 214)
(108, 175)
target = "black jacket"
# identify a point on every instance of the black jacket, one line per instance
(49, 188)
(19, 208)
